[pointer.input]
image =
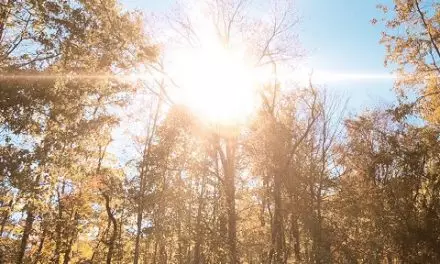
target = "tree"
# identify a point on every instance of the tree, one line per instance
(266, 42)
(415, 53)
(47, 112)
(389, 164)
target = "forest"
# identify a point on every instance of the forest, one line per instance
(128, 137)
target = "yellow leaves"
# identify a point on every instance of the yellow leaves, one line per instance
(404, 8)
(412, 48)
(84, 248)
(430, 100)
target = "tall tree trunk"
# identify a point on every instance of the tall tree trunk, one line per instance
(319, 242)
(114, 234)
(71, 240)
(179, 241)
(120, 243)
(5, 217)
(294, 231)
(163, 254)
(40, 246)
(140, 211)
(142, 178)
(229, 181)
(26, 234)
(155, 252)
(58, 226)
(138, 231)
(277, 225)
(95, 250)
(68, 250)
(199, 238)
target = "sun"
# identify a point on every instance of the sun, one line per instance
(216, 83)
(215, 69)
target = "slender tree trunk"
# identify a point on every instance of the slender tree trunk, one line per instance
(179, 239)
(100, 238)
(138, 232)
(71, 240)
(68, 251)
(120, 243)
(188, 246)
(144, 169)
(229, 181)
(114, 234)
(5, 217)
(319, 227)
(220, 217)
(40, 246)
(155, 252)
(26, 234)
(294, 230)
(140, 211)
(199, 238)
(58, 226)
(163, 254)
(277, 225)
(389, 259)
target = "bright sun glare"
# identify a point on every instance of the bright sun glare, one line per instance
(216, 80)
(216, 83)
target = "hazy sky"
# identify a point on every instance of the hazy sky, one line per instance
(338, 38)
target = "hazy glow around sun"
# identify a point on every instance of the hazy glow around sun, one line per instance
(215, 82)
(215, 78)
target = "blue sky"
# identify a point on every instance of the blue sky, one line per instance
(338, 37)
